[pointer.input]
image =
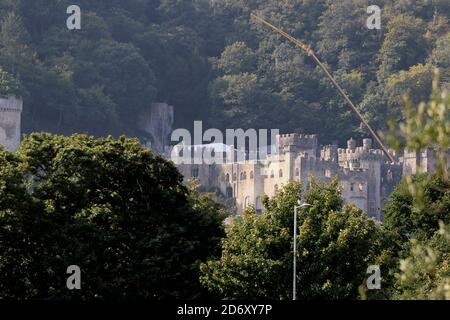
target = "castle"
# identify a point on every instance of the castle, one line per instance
(157, 122)
(366, 177)
(10, 122)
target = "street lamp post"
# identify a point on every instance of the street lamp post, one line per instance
(294, 275)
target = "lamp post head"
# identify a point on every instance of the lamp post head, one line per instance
(302, 204)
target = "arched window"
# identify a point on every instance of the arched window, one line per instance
(272, 174)
(245, 175)
(246, 202)
(360, 187)
(276, 189)
(227, 177)
(241, 176)
(352, 186)
(229, 192)
(251, 174)
(297, 172)
(234, 176)
(280, 173)
(195, 172)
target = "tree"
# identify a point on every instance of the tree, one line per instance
(437, 29)
(14, 51)
(115, 209)
(344, 120)
(239, 100)
(426, 126)
(125, 75)
(404, 45)
(440, 56)
(424, 201)
(425, 272)
(8, 84)
(256, 260)
(237, 58)
(343, 31)
(374, 105)
(414, 83)
(409, 221)
(129, 54)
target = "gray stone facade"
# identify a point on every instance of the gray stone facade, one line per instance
(157, 121)
(10, 122)
(365, 177)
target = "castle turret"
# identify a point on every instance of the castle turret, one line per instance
(10, 122)
(330, 153)
(297, 143)
(351, 144)
(367, 144)
(157, 120)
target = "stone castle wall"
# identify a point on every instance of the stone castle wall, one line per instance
(10, 122)
(157, 121)
(424, 161)
(364, 176)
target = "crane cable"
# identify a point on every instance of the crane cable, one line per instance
(311, 53)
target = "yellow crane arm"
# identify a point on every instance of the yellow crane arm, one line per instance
(341, 91)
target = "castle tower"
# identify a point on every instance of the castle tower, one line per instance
(157, 120)
(351, 144)
(297, 143)
(330, 153)
(367, 144)
(10, 122)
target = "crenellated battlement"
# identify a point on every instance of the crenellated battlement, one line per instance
(298, 141)
(362, 172)
(11, 104)
(329, 153)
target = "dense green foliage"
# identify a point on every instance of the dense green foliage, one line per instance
(425, 272)
(121, 212)
(421, 250)
(419, 212)
(375, 66)
(8, 84)
(213, 63)
(407, 220)
(336, 245)
(113, 208)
